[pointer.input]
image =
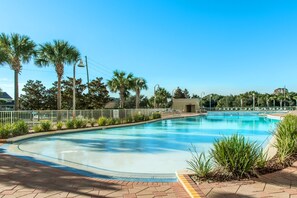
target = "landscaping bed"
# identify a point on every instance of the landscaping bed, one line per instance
(21, 128)
(235, 158)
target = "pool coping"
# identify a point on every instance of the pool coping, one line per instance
(184, 178)
(50, 133)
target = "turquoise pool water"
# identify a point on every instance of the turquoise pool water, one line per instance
(155, 148)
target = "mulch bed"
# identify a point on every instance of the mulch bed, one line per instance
(272, 166)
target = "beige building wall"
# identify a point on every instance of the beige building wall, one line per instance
(186, 105)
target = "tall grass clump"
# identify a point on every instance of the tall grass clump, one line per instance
(70, 124)
(46, 125)
(80, 122)
(102, 121)
(286, 138)
(156, 115)
(20, 128)
(59, 125)
(5, 131)
(262, 159)
(92, 122)
(236, 155)
(200, 164)
(10, 130)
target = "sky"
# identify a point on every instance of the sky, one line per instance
(225, 46)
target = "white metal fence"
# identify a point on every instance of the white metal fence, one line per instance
(35, 116)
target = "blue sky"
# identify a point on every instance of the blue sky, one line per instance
(205, 46)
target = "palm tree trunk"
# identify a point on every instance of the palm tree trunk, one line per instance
(122, 98)
(137, 98)
(59, 93)
(16, 90)
(59, 116)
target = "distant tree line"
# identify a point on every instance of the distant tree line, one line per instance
(16, 50)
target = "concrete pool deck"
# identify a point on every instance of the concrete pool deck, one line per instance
(22, 178)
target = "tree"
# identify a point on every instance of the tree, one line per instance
(131, 101)
(98, 94)
(34, 96)
(67, 93)
(186, 93)
(121, 82)
(162, 96)
(57, 54)
(178, 93)
(3, 56)
(51, 97)
(18, 50)
(138, 85)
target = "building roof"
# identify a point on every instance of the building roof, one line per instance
(4, 95)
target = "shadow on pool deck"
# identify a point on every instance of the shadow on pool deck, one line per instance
(20, 177)
(17, 172)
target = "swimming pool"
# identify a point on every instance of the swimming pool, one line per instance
(154, 150)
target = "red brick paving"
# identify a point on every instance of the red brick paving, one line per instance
(281, 184)
(22, 178)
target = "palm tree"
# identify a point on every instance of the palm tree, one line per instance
(3, 56)
(272, 98)
(138, 85)
(121, 82)
(58, 54)
(18, 49)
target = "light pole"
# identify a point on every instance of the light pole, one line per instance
(254, 101)
(80, 64)
(88, 79)
(157, 85)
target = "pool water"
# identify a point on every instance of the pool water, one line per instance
(156, 148)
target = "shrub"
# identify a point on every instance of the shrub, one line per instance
(92, 122)
(45, 125)
(262, 160)
(156, 115)
(80, 122)
(59, 125)
(129, 119)
(138, 117)
(70, 124)
(102, 121)
(110, 121)
(5, 131)
(236, 155)
(286, 138)
(117, 121)
(199, 163)
(146, 118)
(20, 128)
(37, 128)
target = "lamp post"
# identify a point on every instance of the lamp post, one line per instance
(157, 85)
(254, 101)
(80, 64)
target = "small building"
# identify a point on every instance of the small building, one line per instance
(186, 105)
(6, 102)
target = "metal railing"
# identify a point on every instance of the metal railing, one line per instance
(288, 108)
(33, 117)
